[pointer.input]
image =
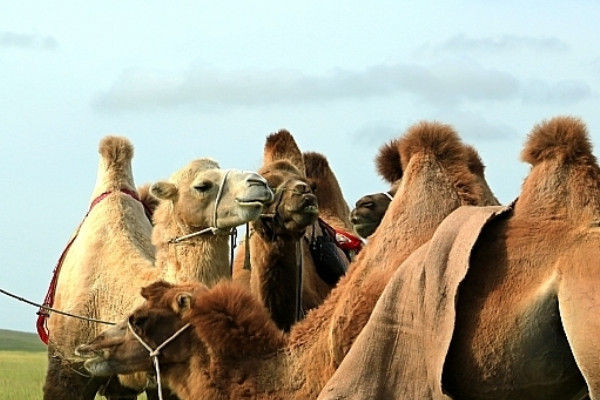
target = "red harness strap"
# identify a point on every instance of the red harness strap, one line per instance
(344, 240)
(42, 323)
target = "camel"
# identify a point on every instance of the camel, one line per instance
(282, 272)
(370, 208)
(250, 357)
(523, 321)
(111, 255)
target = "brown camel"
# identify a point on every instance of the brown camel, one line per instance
(283, 273)
(524, 321)
(116, 233)
(250, 357)
(369, 209)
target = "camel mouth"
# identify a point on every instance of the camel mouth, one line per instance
(88, 352)
(308, 208)
(252, 203)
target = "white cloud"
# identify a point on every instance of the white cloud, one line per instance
(27, 41)
(443, 84)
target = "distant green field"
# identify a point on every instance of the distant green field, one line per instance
(23, 366)
(20, 341)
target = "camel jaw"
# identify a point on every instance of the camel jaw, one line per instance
(365, 229)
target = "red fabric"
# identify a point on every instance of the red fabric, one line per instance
(42, 323)
(344, 240)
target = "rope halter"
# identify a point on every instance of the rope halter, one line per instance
(154, 353)
(389, 196)
(211, 229)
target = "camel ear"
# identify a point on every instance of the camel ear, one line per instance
(183, 302)
(163, 190)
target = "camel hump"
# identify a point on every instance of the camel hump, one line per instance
(282, 146)
(116, 150)
(316, 164)
(388, 162)
(474, 161)
(563, 137)
(434, 138)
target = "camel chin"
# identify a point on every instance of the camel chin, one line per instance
(98, 366)
(365, 229)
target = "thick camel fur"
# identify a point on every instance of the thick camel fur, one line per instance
(436, 181)
(527, 311)
(369, 209)
(526, 314)
(279, 256)
(112, 255)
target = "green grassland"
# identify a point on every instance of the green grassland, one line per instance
(23, 366)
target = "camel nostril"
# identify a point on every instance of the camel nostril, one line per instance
(256, 181)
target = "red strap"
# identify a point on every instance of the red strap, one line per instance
(42, 323)
(343, 239)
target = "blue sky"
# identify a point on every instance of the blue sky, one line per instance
(185, 80)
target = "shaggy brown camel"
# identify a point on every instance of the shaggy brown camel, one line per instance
(526, 315)
(283, 273)
(116, 233)
(250, 357)
(369, 209)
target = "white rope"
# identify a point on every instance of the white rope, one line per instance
(212, 229)
(389, 196)
(155, 352)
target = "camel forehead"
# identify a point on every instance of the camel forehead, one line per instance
(277, 172)
(194, 169)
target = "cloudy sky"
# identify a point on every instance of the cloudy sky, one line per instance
(186, 79)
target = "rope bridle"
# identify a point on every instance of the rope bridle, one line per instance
(389, 196)
(212, 229)
(154, 353)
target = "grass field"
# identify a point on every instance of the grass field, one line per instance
(23, 366)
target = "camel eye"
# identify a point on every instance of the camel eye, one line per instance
(137, 321)
(203, 187)
(369, 204)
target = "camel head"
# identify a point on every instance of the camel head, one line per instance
(119, 349)
(225, 322)
(202, 195)
(295, 206)
(369, 210)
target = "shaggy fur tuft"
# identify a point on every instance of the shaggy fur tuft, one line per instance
(234, 322)
(282, 146)
(149, 201)
(474, 161)
(562, 137)
(116, 150)
(439, 139)
(388, 162)
(316, 164)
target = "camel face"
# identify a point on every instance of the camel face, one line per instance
(368, 212)
(117, 350)
(203, 195)
(295, 205)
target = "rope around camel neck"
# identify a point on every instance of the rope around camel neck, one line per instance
(155, 352)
